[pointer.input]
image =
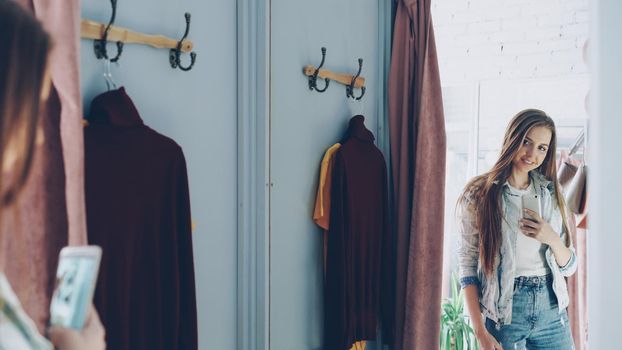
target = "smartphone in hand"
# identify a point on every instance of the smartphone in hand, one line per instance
(76, 277)
(531, 201)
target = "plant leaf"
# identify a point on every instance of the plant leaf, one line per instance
(448, 341)
(455, 323)
(454, 286)
(459, 340)
(460, 303)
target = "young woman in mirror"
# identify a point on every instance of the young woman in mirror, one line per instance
(512, 260)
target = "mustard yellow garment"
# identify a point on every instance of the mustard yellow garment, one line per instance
(359, 345)
(321, 214)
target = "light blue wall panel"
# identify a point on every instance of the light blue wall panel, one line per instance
(304, 124)
(198, 110)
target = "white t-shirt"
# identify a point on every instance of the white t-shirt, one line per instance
(530, 253)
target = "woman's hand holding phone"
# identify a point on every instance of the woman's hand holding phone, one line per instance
(532, 224)
(75, 324)
(92, 336)
(75, 284)
(537, 228)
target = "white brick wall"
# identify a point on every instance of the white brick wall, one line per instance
(510, 39)
(507, 49)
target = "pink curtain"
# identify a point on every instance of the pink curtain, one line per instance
(577, 283)
(417, 129)
(577, 288)
(62, 20)
(50, 212)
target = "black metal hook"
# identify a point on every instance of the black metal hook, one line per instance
(313, 78)
(99, 45)
(350, 88)
(174, 56)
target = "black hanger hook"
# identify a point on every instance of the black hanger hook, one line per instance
(350, 88)
(99, 45)
(313, 78)
(174, 56)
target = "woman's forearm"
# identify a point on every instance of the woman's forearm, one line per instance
(471, 298)
(561, 252)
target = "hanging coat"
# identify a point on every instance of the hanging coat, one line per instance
(138, 211)
(358, 241)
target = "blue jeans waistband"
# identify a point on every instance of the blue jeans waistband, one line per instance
(533, 281)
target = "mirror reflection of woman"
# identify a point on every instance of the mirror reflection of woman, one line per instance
(512, 260)
(24, 86)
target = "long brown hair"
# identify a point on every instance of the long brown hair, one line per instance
(23, 64)
(483, 192)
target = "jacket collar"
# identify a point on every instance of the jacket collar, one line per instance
(357, 129)
(540, 181)
(116, 108)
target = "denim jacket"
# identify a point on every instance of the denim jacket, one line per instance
(17, 330)
(495, 294)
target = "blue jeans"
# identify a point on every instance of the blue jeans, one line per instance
(536, 321)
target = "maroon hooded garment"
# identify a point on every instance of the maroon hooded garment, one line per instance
(138, 211)
(358, 271)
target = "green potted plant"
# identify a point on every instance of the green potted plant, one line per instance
(456, 331)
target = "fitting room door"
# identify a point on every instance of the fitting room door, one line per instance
(304, 124)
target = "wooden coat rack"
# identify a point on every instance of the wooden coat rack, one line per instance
(95, 30)
(102, 33)
(341, 78)
(350, 81)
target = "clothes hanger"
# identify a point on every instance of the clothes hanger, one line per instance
(110, 83)
(361, 106)
(356, 106)
(579, 142)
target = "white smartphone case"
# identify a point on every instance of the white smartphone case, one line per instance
(75, 283)
(531, 201)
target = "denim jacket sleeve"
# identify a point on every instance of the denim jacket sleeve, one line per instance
(571, 266)
(468, 245)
